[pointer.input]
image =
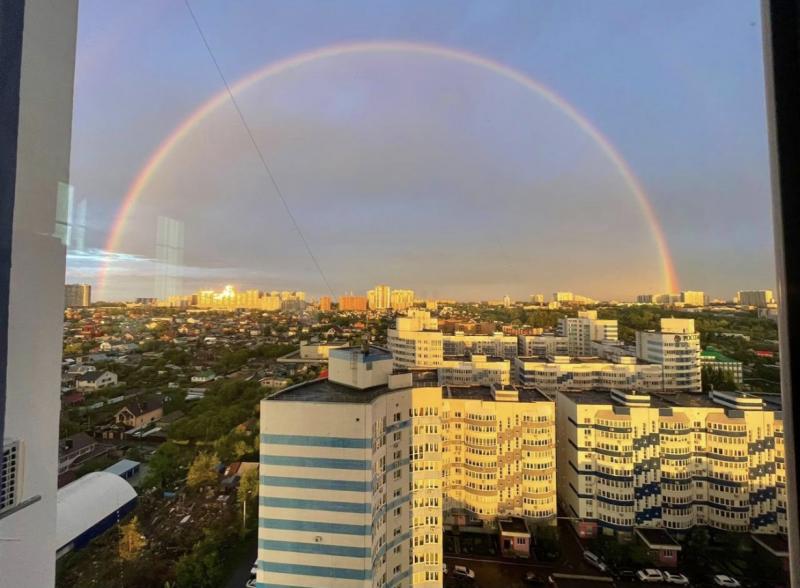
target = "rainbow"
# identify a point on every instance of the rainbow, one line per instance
(179, 133)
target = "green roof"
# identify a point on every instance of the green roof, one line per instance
(715, 355)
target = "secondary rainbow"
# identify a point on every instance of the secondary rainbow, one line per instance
(171, 141)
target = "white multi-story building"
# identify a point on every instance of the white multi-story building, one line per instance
(401, 299)
(415, 341)
(677, 348)
(556, 373)
(758, 298)
(563, 297)
(498, 454)
(580, 331)
(628, 460)
(230, 299)
(380, 297)
(351, 492)
(356, 470)
(666, 298)
(533, 345)
(497, 344)
(537, 298)
(694, 298)
(475, 370)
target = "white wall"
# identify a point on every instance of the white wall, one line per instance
(37, 287)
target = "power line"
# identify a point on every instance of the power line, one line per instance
(278, 190)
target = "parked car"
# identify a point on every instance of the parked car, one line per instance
(463, 571)
(649, 575)
(677, 579)
(531, 579)
(444, 569)
(595, 561)
(251, 583)
(727, 581)
(626, 575)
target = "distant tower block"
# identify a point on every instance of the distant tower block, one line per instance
(169, 258)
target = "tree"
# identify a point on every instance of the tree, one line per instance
(163, 468)
(131, 542)
(203, 471)
(717, 379)
(248, 486)
(202, 567)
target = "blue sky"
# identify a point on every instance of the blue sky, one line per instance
(427, 174)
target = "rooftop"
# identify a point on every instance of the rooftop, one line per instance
(715, 355)
(662, 400)
(469, 358)
(657, 538)
(513, 525)
(485, 393)
(323, 390)
(122, 466)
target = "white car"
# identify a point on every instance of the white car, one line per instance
(595, 561)
(677, 579)
(251, 583)
(444, 569)
(463, 571)
(650, 575)
(727, 581)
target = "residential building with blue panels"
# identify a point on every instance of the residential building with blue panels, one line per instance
(350, 496)
(628, 460)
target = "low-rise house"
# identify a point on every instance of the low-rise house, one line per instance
(80, 369)
(139, 413)
(203, 377)
(72, 399)
(77, 449)
(96, 380)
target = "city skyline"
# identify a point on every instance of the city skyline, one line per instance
(459, 135)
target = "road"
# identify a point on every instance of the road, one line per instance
(241, 573)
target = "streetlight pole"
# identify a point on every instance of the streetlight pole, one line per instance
(244, 511)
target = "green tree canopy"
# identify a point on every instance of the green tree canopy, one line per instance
(203, 471)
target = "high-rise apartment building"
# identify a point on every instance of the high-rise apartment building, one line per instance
(401, 299)
(580, 331)
(231, 299)
(415, 341)
(325, 303)
(77, 295)
(359, 470)
(758, 298)
(677, 348)
(666, 298)
(498, 454)
(350, 303)
(558, 373)
(379, 298)
(537, 298)
(351, 484)
(628, 460)
(694, 298)
(563, 296)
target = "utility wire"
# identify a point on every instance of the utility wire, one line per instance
(258, 149)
